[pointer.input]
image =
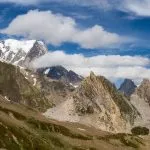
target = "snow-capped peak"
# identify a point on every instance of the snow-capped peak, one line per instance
(15, 45)
(21, 52)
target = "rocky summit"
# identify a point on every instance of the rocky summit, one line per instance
(127, 87)
(62, 74)
(21, 52)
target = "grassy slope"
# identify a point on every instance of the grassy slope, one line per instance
(22, 128)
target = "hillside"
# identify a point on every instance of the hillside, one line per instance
(24, 128)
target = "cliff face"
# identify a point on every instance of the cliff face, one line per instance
(97, 102)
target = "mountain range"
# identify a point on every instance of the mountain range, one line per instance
(54, 108)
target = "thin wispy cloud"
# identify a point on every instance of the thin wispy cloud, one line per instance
(137, 7)
(134, 7)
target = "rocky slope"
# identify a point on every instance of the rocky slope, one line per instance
(96, 102)
(127, 87)
(21, 52)
(61, 74)
(141, 100)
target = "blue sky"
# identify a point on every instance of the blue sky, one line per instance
(120, 22)
(125, 25)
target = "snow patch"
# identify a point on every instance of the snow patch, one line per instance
(7, 98)
(15, 45)
(26, 78)
(47, 71)
(81, 129)
(35, 81)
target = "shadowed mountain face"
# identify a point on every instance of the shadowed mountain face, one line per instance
(62, 74)
(127, 87)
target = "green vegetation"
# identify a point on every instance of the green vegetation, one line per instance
(140, 131)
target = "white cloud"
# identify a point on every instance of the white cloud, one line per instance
(138, 7)
(57, 29)
(96, 37)
(112, 66)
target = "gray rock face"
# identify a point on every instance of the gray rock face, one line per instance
(127, 87)
(96, 102)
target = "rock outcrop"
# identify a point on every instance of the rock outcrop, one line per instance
(96, 102)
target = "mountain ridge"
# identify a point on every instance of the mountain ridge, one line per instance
(96, 102)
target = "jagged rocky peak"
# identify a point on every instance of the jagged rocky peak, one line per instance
(38, 49)
(96, 102)
(127, 87)
(20, 51)
(62, 74)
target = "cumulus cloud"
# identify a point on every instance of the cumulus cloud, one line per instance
(57, 29)
(112, 66)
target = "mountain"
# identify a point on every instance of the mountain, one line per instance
(22, 86)
(141, 100)
(127, 87)
(21, 52)
(62, 74)
(24, 96)
(96, 102)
